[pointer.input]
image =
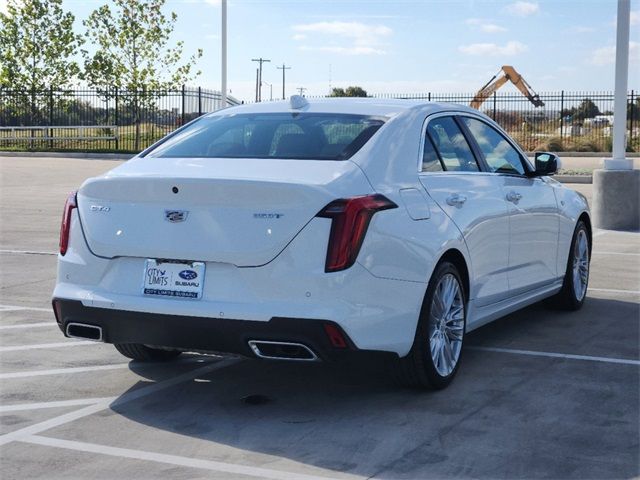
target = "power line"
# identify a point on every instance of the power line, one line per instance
(259, 82)
(283, 68)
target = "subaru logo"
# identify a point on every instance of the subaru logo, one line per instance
(187, 274)
(175, 216)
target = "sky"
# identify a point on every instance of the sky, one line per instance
(402, 46)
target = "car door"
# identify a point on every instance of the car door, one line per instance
(533, 211)
(473, 200)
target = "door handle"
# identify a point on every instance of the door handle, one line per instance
(456, 200)
(513, 196)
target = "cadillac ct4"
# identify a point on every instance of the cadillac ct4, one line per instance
(320, 231)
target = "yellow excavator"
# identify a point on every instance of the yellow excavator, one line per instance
(506, 73)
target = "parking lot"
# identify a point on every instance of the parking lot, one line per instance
(541, 393)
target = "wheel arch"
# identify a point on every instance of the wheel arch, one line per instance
(455, 256)
(584, 216)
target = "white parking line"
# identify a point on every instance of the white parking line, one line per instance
(569, 356)
(18, 348)
(92, 368)
(612, 290)
(28, 325)
(103, 405)
(210, 465)
(61, 371)
(17, 308)
(28, 252)
(62, 403)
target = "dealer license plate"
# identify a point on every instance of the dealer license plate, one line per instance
(173, 279)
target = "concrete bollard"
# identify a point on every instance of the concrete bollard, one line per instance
(616, 199)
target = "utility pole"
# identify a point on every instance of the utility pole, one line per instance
(259, 82)
(223, 39)
(283, 68)
(301, 90)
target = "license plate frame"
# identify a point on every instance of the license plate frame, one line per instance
(173, 279)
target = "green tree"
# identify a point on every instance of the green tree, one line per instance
(132, 52)
(348, 92)
(587, 109)
(37, 45)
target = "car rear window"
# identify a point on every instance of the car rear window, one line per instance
(314, 136)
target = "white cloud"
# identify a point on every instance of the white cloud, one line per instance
(485, 26)
(509, 49)
(607, 55)
(492, 28)
(635, 17)
(366, 39)
(523, 9)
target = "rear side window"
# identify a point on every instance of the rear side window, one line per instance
(430, 160)
(315, 136)
(500, 155)
(451, 145)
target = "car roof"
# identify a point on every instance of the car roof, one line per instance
(387, 107)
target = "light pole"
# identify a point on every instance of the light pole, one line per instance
(260, 61)
(223, 56)
(270, 89)
(616, 189)
(283, 68)
(301, 90)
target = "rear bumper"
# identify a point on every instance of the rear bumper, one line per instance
(207, 334)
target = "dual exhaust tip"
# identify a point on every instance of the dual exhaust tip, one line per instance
(262, 348)
(84, 331)
(282, 351)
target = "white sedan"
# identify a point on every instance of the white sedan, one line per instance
(320, 230)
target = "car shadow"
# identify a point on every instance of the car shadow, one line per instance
(355, 419)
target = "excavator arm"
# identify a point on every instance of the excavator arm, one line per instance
(508, 73)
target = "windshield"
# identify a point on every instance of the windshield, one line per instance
(315, 136)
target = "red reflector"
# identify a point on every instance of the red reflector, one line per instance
(350, 220)
(335, 336)
(65, 226)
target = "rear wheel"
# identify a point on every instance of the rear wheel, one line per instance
(437, 348)
(576, 278)
(137, 351)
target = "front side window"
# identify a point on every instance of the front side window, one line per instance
(452, 147)
(312, 136)
(500, 155)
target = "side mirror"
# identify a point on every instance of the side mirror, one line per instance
(546, 163)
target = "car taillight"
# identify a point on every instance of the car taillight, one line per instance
(65, 226)
(350, 220)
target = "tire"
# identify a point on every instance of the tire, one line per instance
(576, 277)
(137, 351)
(434, 358)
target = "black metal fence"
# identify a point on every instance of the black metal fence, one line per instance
(568, 121)
(93, 120)
(127, 121)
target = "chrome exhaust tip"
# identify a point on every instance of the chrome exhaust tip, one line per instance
(282, 351)
(84, 331)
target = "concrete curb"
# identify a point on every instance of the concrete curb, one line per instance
(81, 155)
(574, 178)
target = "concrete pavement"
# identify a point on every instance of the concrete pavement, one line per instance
(541, 393)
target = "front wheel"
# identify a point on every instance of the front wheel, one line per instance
(143, 353)
(576, 278)
(435, 355)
